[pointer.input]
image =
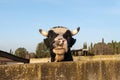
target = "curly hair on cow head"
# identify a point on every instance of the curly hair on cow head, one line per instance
(60, 27)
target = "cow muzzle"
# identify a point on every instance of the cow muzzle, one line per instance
(60, 46)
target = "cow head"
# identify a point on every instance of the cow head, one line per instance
(59, 40)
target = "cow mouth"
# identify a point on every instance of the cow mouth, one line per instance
(59, 48)
(59, 51)
(59, 54)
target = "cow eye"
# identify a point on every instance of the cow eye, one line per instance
(67, 35)
(53, 36)
(50, 36)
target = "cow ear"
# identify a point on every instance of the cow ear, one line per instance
(44, 33)
(72, 42)
(74, 32)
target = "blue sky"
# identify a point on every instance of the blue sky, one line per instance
(20, 21)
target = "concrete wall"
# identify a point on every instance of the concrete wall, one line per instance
(39, 60)
(82, 70)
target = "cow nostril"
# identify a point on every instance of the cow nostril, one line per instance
(59, 39)
(59, 42)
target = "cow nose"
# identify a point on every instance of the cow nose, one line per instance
(59, 42)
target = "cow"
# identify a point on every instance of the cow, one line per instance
(59, 40)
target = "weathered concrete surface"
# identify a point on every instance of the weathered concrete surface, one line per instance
(20, 72)
(83, 70)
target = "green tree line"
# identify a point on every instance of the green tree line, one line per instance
(41, 51)
(100, 48)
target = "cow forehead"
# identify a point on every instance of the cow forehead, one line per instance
(59, 30)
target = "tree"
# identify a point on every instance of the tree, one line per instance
(113, 45)
(21, 52)
(91, 48)
(32, 55)
(42, 50)
(11, 52)
(85, 45)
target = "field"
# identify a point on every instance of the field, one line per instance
(80, 58)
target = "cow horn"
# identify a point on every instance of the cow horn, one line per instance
(74, 32)
(44, 33)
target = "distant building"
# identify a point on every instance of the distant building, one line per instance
(7, 58)
(81, 52)
(77, 52)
